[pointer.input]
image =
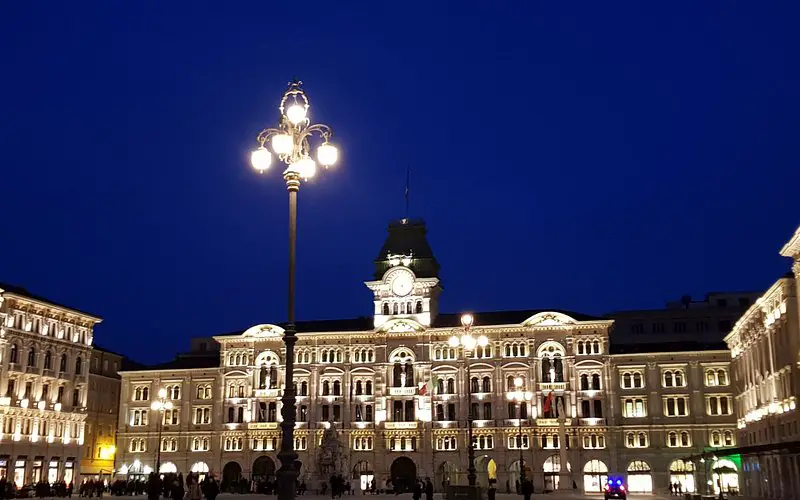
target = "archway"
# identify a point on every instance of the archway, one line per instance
(681, 474)
(231, 473)
(640, 478)
(363, 475)
(725, 476)
(201, 469)
(446, 474)
(263, 468)
(551, 468)
(515, 475)
(168, 468)
(403, 473)
(595, 476)
(486, 470)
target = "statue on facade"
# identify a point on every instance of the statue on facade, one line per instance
(330, 459)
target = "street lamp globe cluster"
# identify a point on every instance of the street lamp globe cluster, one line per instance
(468, 343)
(519, 396)
(291, 140)
(160, 405)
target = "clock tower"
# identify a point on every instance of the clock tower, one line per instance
(406, 283)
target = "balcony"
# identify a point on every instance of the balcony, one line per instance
(394, 426)
(262, 425)
(553, 386)
(402, 391)
(593, 421)
(551, 422)
(267, 393)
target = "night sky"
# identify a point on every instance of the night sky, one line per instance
(594, 156)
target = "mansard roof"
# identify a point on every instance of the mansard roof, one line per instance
(408, 237)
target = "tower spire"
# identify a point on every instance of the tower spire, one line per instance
(407, 192)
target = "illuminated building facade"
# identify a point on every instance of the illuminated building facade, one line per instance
(102, 412)
(396, 391)
(46, 350)
(765, 344)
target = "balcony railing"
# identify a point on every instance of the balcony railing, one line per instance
(551, 422)
(267, 393)
(593, 421)
(401, 425)
(552, 386)
(402, 391)
(262, 425)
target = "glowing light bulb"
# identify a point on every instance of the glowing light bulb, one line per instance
(261, 159)
(327, 154)
(296, 113)
(282, 144)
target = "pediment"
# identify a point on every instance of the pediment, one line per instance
(263, 331)
(549, 318)
(401, 325)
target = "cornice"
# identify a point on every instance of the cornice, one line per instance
(792, 247)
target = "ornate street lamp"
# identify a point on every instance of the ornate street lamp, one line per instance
(467, 342)
(519, 396)
(291, 142)
(160, 405)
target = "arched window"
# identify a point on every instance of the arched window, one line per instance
(584, 382)
(596, 382)
(678, 379)
(337, 388)
(326, 388)
(32, 357)
(486, 385)
(78, 365)
(722, 377)
(637, 379)
(440, 386)
(419, 307)
(626, 380)
(596, 347)
(474, 385)
(369, 388)
(685, 439)
(580, 347)
(451, 386)
(14, 356)
(668, 380)
(359, 388)
(385, 309)
(230, 414)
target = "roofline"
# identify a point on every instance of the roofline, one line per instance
(755, 307)
(162, 370)
(653, 353)
(792, 247)
(97, 319)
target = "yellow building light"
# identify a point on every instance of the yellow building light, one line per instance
(107, 452)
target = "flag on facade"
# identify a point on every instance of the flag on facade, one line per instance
(434, 384)
(548, 403)
(423, 388)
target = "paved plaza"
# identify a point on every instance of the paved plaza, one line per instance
(407, 496)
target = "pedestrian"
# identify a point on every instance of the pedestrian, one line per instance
(428, 489)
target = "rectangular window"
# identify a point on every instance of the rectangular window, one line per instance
(718, 405)
(676, 406)
(634, 408)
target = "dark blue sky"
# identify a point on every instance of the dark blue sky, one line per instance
(592, 157)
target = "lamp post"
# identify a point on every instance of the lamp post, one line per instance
(467, 342)
(519, 396)
(291, 143)
(160, 405)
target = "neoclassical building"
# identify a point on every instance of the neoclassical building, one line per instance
(45, 351)
(546, 387)
(765, 344)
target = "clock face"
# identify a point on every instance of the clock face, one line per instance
(402, 283)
